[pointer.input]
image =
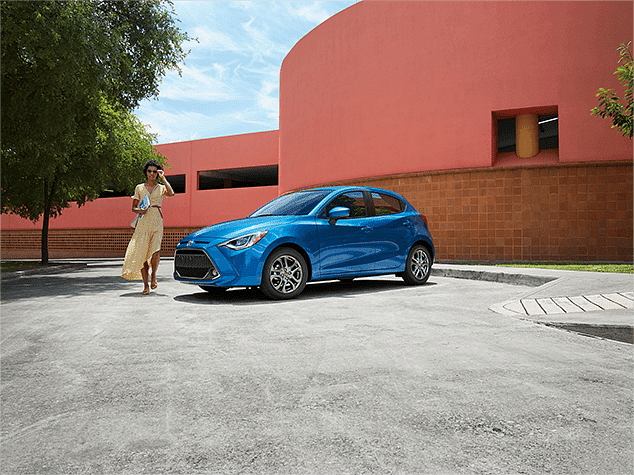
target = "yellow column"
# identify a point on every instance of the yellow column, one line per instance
(526, 135)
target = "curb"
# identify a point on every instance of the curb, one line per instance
(500, 277)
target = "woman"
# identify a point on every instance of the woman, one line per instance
(145, 245)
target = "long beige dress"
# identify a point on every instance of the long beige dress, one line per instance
(148, 233)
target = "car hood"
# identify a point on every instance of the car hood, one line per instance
(241, 227)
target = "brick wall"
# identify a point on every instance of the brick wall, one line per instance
(68, 243)
(563, 212)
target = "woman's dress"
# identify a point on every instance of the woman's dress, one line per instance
(148, 233)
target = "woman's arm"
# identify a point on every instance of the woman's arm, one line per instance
(170, 191)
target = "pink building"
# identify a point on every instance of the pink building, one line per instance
(477, 112)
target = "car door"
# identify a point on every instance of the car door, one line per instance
(345, 244)
(392, 231)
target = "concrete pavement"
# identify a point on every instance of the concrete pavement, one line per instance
(370, 377)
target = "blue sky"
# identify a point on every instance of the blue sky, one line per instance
(230, 79)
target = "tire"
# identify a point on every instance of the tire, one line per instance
(418, 266)
(284, 275)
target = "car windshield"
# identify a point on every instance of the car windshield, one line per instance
(295, 204)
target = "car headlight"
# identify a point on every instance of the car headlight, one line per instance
(243, 242)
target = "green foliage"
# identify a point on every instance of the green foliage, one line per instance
(609, 102)
(72, 73)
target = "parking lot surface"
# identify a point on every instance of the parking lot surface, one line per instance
(370, 377)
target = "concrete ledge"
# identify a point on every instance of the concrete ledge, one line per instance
(501, 277)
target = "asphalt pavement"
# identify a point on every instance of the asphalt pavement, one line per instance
(477, 371)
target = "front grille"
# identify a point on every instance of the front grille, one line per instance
(194, 264)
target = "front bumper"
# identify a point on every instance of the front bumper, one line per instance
(218, 266)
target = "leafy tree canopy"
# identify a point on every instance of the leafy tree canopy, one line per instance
(72, 73)
(609, 103)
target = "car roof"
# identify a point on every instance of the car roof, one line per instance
(349, 187)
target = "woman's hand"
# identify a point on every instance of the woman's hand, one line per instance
(136, 209)
(161, 174)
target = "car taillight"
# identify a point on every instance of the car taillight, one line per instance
(424, 219)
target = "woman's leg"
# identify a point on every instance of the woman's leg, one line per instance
(145, 271)
(156, 257)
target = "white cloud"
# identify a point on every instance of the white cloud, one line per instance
(314, 12)
(230, 79)
(268, 97)
(198, 85)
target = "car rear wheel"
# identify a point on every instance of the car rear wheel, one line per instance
(418, 266)
(284, 275)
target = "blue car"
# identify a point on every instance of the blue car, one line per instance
(320, 234)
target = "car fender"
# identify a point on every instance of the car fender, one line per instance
(309, 252)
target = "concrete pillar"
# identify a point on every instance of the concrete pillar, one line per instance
(526, 135)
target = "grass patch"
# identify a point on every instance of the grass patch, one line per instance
(611, 268)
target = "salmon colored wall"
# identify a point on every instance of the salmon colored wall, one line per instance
(399, 87)
(204, 207)
(192, 209)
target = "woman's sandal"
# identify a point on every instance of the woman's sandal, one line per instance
(145, 292)
(154, 284)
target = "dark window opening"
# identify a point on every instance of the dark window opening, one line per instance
(177, 182)
(506, 135)
(110, 193)
(238, 177)
(548, 133)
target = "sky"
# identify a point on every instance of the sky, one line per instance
(230, 79)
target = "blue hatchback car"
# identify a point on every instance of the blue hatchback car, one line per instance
(320, 234)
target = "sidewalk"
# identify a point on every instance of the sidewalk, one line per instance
(557, 296)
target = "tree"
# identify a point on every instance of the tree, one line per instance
(609, 103)
(72, 73)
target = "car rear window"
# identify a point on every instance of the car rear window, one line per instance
(386, 204)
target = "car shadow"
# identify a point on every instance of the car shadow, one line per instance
(313, 290)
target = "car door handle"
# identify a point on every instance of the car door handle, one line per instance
(366, 229)
(407, 223)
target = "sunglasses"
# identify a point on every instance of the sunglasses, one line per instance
(152, 171)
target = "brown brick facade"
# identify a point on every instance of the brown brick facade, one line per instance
(69, 243)
(564, 212)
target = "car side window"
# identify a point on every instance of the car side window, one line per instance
(353, 200)
(386, 204)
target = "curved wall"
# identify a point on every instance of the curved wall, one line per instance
(401, 87)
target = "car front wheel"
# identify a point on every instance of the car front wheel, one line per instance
(418, 266)
(284, 275)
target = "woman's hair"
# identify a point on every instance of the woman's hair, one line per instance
(151, 163)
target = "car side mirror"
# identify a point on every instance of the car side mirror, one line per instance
(338, 213)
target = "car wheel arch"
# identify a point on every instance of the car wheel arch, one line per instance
(290, 245)
(428, 246)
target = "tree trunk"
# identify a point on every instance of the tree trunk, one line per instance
(48, 199)
(45, 221)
